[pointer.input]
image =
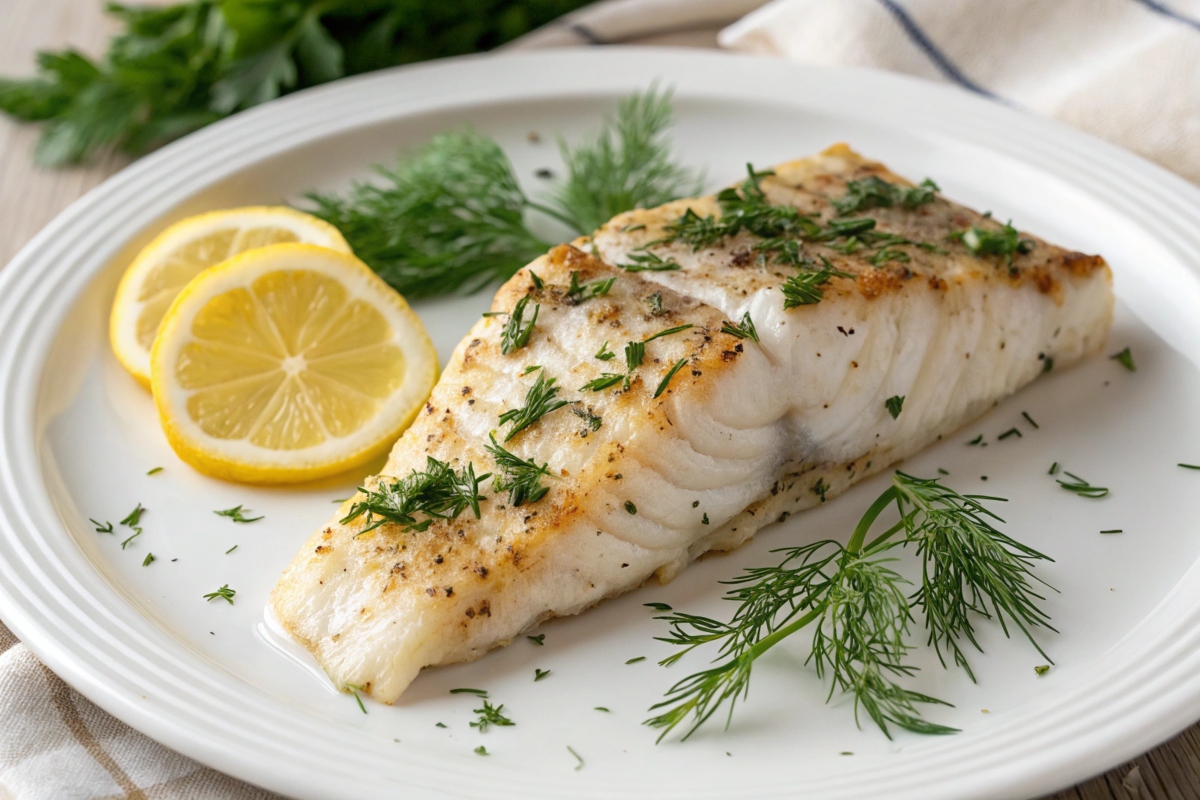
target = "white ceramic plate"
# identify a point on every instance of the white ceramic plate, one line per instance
(212, 681)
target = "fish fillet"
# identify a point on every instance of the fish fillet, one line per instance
(743, 434)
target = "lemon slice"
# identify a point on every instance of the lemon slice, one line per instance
(288, 363)
(182, 252)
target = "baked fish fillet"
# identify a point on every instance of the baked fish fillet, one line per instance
(743, 433)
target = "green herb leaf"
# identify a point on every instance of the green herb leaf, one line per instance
(669, 332)
(662, 386)
(481, 751)
(578, 758)
(236, 515)
(577, 294)
(437, 493)
(479, 692)
(1005, 241)
(604, 354)
(538, 674)
(894, 405)
(874, 192)
(805, 288)
(744, 330)
(107, 527)
(516, 333)
(541, 399)
(627, 165)
(148, 560)
(1081, 487)
(520, 478)
(354, 690)
(1125, 359)
(491, 715)
(224, 593)
(649, 262)
(539, 640)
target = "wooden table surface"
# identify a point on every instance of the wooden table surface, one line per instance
(30, 197)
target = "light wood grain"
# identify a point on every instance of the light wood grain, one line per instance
(30, 197)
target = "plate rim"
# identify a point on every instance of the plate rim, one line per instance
(44, 615)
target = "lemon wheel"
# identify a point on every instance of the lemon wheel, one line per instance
(183, 251)
(288, 363)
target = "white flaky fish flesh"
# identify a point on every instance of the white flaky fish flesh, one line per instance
(899, 331)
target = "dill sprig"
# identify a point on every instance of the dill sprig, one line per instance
(804, 288)
(438, 492)
(1079, 486)
(580, 293)
(859, 610)
(1005, 242)
(236, 515)
(491, 715)
(649, 262)
(224, 593)
(875, 192)
(540, 400)
(449, 217)
(517, 476)
(743, 330)
(516, 331)
(627, 165)
(662, 386)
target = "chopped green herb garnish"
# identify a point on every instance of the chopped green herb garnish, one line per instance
(655, 303)
(1053, 469)
(887, 254)
(439, 724)
(108, 526)
(538, 674)
(1081, 487)
(491, 715)
(154, 471)
(577, 294)
(820, 488)
(662, 386)
(225, 593)
(630, 507)
(649, 262)
(657, 606)
(1125, 358)
(602, 708)
(942, 471)
(704, 519)
(593, 420)
(540, 400)
(605, 354)
(1047, 364)
(437, 493)
(517, 476)
(1029, 419)
(1042, 670)
(1114, 530)
(1008, 433)
(481, 751)
(636, 660)
(148, 560)
(354, 690)
(874, 192)
(635, 352)
(894, 405)
(230, 550)
(606, 380)
(236, 515)
(744, 330)
(133, 517)
(516, 331)
(539, 640)
(977, 440)
(538, 283)
(136, 533)
(1185, 466)
(1005, 241)
(480, 692)
(668, 332)
(578, 758)
(860, 609)
(805, 288)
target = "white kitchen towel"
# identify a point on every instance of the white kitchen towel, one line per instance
(1125, 70)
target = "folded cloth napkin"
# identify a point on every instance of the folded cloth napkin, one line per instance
(1125, 70)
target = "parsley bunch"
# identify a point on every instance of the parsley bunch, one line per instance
(177, 68)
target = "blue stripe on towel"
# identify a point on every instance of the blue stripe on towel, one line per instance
(1158, 7)
(932, 51)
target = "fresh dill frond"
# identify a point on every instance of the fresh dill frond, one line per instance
(438, 492)
(605, 381)
(491, 715)
(540, 400)
(224, 593)
(669, 332)
(1004, 241)
(133, 517)
(517, 476)
(874, 192)
(448, 218)
(107, 527)
(859, 609)
(743, 330)
(649, 262)
(577, 293)
(804, 288)
(236, 515)
(627, 165)
(635, 352)
(516, 331)
(604, 354)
